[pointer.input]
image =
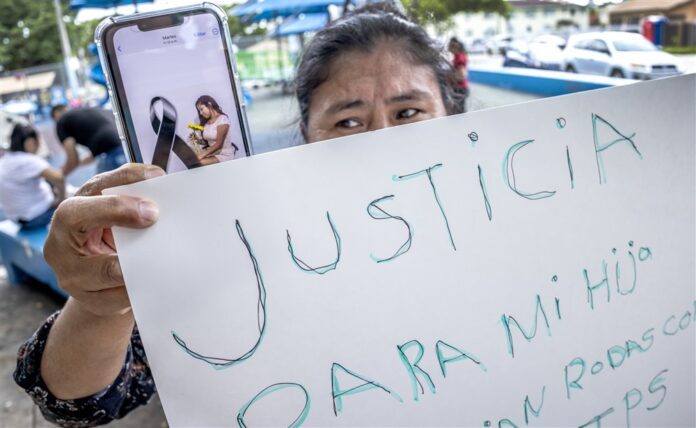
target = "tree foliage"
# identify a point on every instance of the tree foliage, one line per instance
(237, 27)
(438, 11)
(29, 33)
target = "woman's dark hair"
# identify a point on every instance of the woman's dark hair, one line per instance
(457, 44)
(58, 108)
(20, 134)
(362, 30)
(209, 102)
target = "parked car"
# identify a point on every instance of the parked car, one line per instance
(550, 39)
(544, 56)
(499, 44)
(476, 46)
(618, 54)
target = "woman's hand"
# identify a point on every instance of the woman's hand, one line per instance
(80, 246)
(86, 346)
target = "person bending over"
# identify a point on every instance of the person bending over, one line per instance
(30, 190)
(366, 71)
(93, 128)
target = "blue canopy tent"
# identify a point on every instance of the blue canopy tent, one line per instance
(95, 72)
(302, 23)
(309, 15)
(259, 10)
(104, 4)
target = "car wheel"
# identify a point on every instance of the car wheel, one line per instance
(617, 73)
(570, 69)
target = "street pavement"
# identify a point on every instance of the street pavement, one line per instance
(483, 60)
(273, 118)
(689, 62)
(274, 121)
(22, 309)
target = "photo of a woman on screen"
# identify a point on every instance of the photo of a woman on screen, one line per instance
(216, 127)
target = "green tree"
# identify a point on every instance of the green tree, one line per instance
(81, 35)
(237, 27)
(29, 33)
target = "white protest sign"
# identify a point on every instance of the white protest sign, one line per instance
(527, 265)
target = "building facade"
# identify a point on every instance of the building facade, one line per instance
(528, 18)
(631, 12)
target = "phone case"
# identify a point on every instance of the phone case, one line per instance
(105, 24)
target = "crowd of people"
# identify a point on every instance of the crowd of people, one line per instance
(371, 69)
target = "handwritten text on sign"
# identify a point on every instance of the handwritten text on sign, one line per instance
(529, 265)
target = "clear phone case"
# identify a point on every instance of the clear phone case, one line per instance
(100, 32)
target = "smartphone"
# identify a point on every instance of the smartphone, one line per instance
(174, 87)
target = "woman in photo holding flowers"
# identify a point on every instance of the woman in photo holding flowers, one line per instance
(216, 132)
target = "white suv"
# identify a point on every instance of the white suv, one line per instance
(618, 54)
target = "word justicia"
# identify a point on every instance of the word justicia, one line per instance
(377, 209)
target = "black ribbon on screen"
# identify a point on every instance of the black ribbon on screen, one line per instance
(167, 140)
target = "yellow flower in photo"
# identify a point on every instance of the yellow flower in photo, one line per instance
(194, 127)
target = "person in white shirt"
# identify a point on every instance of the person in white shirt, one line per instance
(30, 189)
(216, 132)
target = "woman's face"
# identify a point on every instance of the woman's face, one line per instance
(369, 91)
(31, 145)
(203, 110)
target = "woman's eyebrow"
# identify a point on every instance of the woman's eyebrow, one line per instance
(413, 95)
(344, 105)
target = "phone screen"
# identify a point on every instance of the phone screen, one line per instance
(175, 91)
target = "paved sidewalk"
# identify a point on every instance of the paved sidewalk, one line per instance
(274, 119)
(689, 62)
(22, 309)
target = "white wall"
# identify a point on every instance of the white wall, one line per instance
(523, 21)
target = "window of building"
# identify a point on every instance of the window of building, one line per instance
(530, 12)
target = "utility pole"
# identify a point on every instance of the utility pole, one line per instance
(67, 54)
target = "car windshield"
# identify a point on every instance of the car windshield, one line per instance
(633, 44)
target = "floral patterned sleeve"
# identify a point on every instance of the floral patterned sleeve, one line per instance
(133, 386)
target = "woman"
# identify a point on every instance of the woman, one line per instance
(30, 190)
(369, 70)
(459, 63)
(216, 132)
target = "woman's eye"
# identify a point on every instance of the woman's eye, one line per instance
(407, 113)
(348, 123)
